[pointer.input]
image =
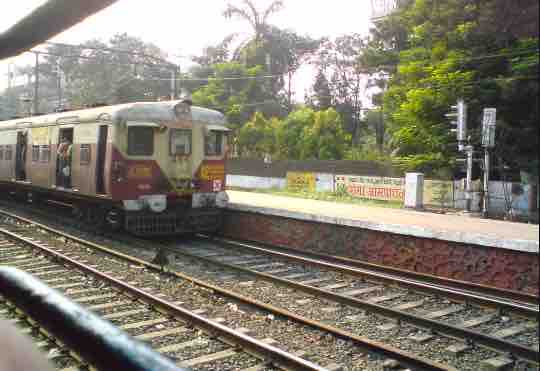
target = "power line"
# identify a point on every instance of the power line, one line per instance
(92, 59)
(133, 53)
(478, 82)
(486, 56)
(159, 79)
(513, 54)
(152, 65)
(221, 78)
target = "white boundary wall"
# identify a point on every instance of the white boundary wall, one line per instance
(253, 182)
(501, 196)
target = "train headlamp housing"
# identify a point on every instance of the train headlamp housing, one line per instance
(183, 110)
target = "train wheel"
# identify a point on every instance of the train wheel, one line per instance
(79, 215)
(114, 219)
(95, 218)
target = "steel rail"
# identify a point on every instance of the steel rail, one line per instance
(406, 358)
(266, 352)
(494, 343)
(520, 303)
(96, 341)
(517, 296)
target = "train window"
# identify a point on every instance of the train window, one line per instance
(85, 154)
(180, 142)
(9, 153)
(44, 154)
(140, 141)
(35, 153)
(213, 143)
(1, 152)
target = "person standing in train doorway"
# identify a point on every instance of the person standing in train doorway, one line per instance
(62, 154)
(67, 168)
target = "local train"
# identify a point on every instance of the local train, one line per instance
(152, 168)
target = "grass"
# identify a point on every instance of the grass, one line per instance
(324, 196)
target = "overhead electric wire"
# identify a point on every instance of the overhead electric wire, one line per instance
(98, 59)
(180, 79)
(157, 66)
(133, 53)
(219, 78)
(513, 54)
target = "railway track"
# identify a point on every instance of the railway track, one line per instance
(316, 342)
(180, 334)
(413, 321)
(487, 296)
(505, 325)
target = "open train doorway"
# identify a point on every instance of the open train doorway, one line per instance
(101, 159)
(20, 156)
(64, 154)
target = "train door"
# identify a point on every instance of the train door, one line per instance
(20, 156)
(101, 159)
(63, 158)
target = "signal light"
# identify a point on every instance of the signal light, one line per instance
(459, 114)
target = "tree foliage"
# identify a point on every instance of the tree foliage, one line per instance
(434, 52)
(304, 134)
(238, 92)
(339, 82)
(281, 51)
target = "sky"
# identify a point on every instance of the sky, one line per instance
(183, 29)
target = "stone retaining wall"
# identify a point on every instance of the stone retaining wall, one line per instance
(490, 266)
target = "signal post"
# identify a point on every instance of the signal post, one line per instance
(488, 142)
(459, 116)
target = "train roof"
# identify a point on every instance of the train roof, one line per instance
(141, 111)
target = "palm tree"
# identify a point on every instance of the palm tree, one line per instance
(257, 19)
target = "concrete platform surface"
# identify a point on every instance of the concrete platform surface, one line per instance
(454, 228)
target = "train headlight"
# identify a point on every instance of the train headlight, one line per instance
(183, 184)
(183, 110)
(156, 203)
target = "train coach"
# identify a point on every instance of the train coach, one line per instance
(149, 168)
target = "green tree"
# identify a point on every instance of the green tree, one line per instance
(280, 51)
(321, 98)
(325, 139)
(238, 92)
(340, 82)
(304, 134)
(125, 69)
(290, 134)
(256, 18)
(433, 52)
(257, 137)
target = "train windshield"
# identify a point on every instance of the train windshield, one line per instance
(180, 142)
(140, 141)
(214, 143)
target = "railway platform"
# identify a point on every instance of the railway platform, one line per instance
(495, 253)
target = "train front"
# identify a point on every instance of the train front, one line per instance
(182, 190)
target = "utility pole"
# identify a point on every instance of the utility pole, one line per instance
(10, 100)
(179, 81)
(173, 84)
(36, 84)
(468, 190)
(10, 77)
(290, 90)
(59, 82)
